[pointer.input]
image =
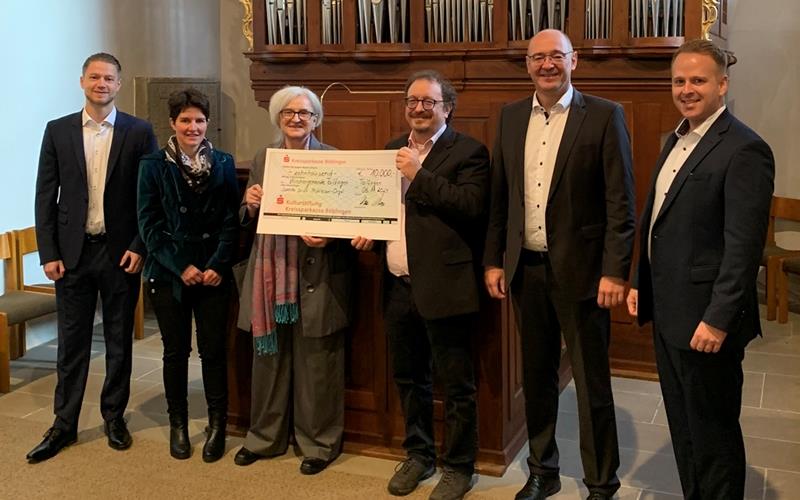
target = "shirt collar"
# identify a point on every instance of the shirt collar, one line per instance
(110, 118)
(562, 104)
(431, 141)
(683, 126)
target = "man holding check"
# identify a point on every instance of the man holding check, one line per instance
(431, 286)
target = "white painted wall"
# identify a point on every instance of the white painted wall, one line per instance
(42, 47)
(245, 125)
(42, 56)
(765, 86)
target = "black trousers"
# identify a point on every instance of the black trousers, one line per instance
(703, 398)
(418, 346)
(76, 300)
(209, 305)
(544, 313)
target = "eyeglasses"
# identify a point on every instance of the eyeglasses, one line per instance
(556, 57)
(303, 114)
(427, 104)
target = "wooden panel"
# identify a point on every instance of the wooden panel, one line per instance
(366, 372)
(634, 72)
(355, 123)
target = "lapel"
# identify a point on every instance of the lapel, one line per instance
(648, 206)
(709, 141)
(121, 125)
(76, 135)
(577, 113)
(440, 150)
(217, 170)
(519, 118)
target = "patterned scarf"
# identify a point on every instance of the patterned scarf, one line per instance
(196, 173)
(275, 289)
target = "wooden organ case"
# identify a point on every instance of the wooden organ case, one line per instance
(371, 47)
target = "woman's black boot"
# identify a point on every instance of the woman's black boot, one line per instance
(179, 445)
(215, 437)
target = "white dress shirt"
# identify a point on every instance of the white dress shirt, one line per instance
(677, 157)
(397, 251)
(545, 128)
(96, 147)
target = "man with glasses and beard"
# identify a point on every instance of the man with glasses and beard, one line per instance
(561, 229)
(431, 285)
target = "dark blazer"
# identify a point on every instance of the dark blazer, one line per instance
(62, 195)
(590, 213)
(325, 274)
(445, 224)
(708, 237)
(180, 227)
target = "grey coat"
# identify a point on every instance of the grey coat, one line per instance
(325, 278)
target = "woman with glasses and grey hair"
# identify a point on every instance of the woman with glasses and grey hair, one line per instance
(295, 301)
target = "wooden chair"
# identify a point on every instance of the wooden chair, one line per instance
(788, 265)
(26, 243)
(16, 307)
(781, 208)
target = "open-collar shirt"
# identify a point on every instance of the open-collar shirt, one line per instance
(97, 139)
(396, 251)
(545, 128)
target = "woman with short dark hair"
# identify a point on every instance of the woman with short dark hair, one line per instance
(188, 218)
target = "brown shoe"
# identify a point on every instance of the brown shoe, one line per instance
(407, 476)
(452, 486)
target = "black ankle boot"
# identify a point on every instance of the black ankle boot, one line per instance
(179, 445)
(215, 437)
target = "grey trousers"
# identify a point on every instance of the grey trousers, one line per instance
(303, 384)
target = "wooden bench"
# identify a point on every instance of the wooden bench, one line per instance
(17, 305)
(781, 208)
(788, 265)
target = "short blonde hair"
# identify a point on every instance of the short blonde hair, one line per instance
(721, 58)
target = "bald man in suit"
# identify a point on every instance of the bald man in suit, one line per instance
(561, 229)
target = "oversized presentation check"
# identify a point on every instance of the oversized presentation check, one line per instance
(339, 194)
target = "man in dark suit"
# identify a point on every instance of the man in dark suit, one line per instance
(431, 285)
(89, 244)
(702, 235)
(561, 228)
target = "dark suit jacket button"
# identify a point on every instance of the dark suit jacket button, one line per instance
(310, 288)
(310, 260)
(183, 210)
